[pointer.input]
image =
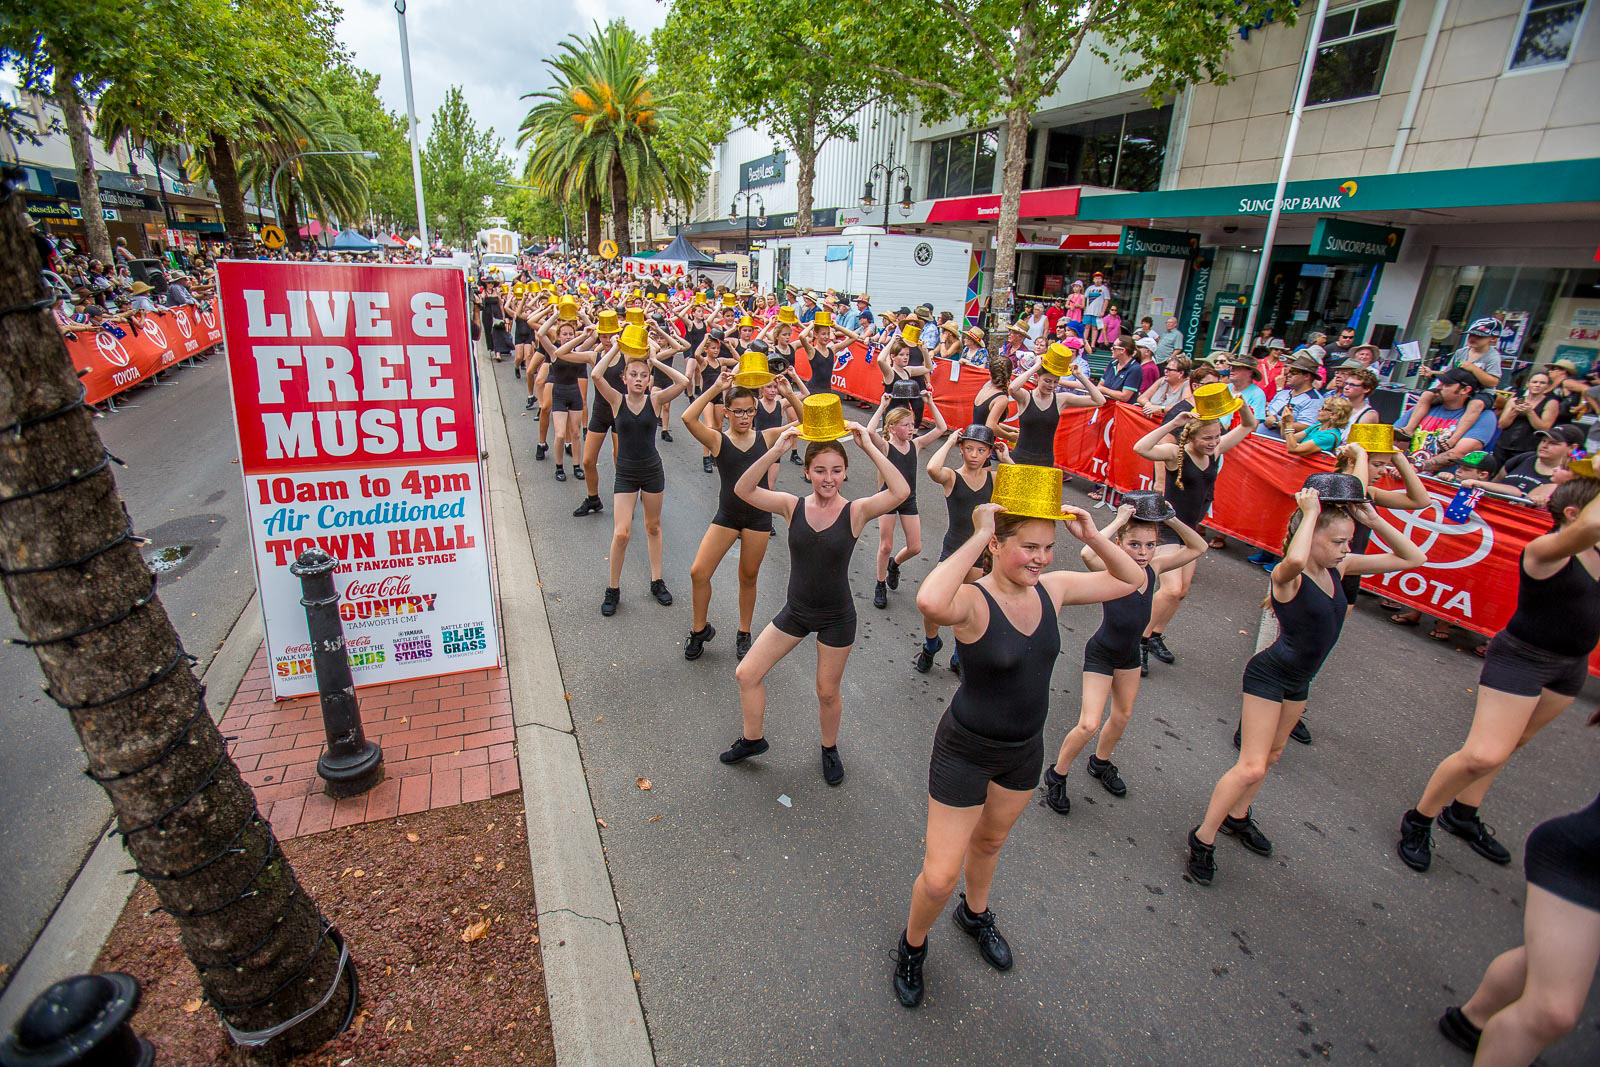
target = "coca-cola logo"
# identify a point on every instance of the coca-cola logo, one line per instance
(111, 349)
(152, 330)
(391, 586)
(184, 327)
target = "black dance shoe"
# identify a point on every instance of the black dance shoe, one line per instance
(743, 749)
(1248, 833)
(991, 946)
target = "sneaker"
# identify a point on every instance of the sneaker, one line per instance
(590, 505)
(741, 644)
(1144, 658)
(1107, 774)
(539, 451)
(908, 973)
(880, 596)
(1248, 833)
(706, 463)
(1300, 733)
(577, 470)
(894, 574)
(924, 661)
(1476, 834)
(794, 457)
(1055, 792)
(1202, 862)
(658, 589)
(1159, 649)
(666, 435)
(529, 405)
(561, 473)
(1416, 841)
(1459, 1031)
(696, 644)
(608, 606)
(980, 927)
(832, 766)
(743, 749)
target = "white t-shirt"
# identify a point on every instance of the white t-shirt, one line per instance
(1037, 329)
(1097, 296)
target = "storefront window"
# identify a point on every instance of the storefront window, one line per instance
(1545, 33)
(1548, 313)
(1118, 152)
(1354, 52)
(962, 165)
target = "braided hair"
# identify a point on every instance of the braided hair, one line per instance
(1187, 434)
(1000, 370)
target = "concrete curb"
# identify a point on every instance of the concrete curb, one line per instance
(595, 1014)
(79, 926)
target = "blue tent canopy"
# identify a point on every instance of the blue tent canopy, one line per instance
(351, 241)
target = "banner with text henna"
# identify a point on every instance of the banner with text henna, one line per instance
(353, 397)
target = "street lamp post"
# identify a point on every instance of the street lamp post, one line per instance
(272, 186)
(411, 121)
(890, 171)
(761, 214)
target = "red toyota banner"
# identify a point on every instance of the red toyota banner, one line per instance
(858, 377)
(123, 354)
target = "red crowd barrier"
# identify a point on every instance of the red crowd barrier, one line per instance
(862, 380)
(155, 340)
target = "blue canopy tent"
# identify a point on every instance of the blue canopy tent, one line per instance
(351, 241)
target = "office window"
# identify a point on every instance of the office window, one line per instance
(962, 165)
(1119, 152)
(1545, 33)
(1354, 52)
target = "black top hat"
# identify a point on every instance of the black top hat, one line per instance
(756, 346)
(905, 389)
(977, 432)
(1149, 506)
(1335, 488)
(717, 335)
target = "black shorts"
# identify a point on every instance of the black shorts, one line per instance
(1513, 666)
(648, 480)
(566, 398)
(964, 763)
(835, 632)
(1563, 856)
(1102, 658)
(1266, 677)
(522, 333)
(909, 507)
(600, 416)
(756, 520)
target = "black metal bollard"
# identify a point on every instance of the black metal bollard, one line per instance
(350, 764)
(80, 1022)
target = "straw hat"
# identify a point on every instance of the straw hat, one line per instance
(606, 323)
(728, 300)
(786, 316)
(567, 308)
(1149, 506)
(1240, 359)
(1215, 401)
(911, 333)
(1057, 360)
(1019, 327)
(822, 418)
(823, 318)
(1304, 361)
(635, 342)
(635, 316)
(753, 371)
(1335, 488)
(1373, 436)
(975, 335)
(950, 328)
(1029, 492)
(139, 289)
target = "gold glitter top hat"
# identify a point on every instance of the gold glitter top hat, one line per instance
(635, 316)
(606, 323)
(1029, 492)
(1215, 401)
(635, 342)
(699, 299)
(822, 318)
(1057, 360)
(567, 309)
(1582, 467)
(911, 333)
(1373, 436)
(729, 301)
(753, 371)
(822, 418)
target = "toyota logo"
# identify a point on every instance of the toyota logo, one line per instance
(1432, 522)
(182, 315)
(153, 331)
(111, 349)
(923, 254)
(205, 317)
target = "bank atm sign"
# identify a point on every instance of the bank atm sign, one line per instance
(1356, 241)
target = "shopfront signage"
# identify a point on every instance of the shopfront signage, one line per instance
(1035, 204)
(1091, 242)
(821, 218)
(68, 190)
(768, 170)
(1193, 308)
(1356, 241)
(1159, 244)
(49, 209)
(111, 214)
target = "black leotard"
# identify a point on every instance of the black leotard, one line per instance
(1036, 432)
(636, 436)
(767, 420)
(820, 359)
(1123, 620)
(1308, 626)
(566, 372)
(982, 409)
(819, 569)
(1005, 675)
(914, 403)
(960, 501)
(906, 463)
(1559, 614)
(733, 512)
(1193, 498)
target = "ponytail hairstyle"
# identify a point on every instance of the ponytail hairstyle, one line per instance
(1329, 514)
(1185, 435)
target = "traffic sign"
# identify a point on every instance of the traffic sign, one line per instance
(608, 249)
(273, 237)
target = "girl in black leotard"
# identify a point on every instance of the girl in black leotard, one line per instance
(895, 365)
(989, 746)
(1186, 474)
(903, 449)
(733, 451)
(1111, 656)
(1039, 405)
(1308, 599)
(571, 350)
(992, 401)
(1532, 671)
(716, 354)
(639, 471)
(965, 487)
(823, 529)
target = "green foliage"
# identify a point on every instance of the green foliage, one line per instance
(533, 215)
(353, 93)
(460, 166)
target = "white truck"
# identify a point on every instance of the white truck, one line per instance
(497, 253)
(896, 270)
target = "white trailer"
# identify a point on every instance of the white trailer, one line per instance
(896, 270)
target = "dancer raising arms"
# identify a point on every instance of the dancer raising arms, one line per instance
(902, 448)
(715, 355)
(1039, 406)
(572, 352)
(965, 488)
(1111, 663)
(1532, 671)
(989, 745)
(601, 419)
(1307, 596)
(639, 472)
(1186, 474)
(823, 529)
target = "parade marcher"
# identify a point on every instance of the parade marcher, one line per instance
(1307, 596)
(639, 474)
(903, 449)
(989, 746)
(1532, 671)
(716, 354)
(519, 310)
(1040, 405)
(904, 361)
(1112, 665)
(601, 417)
(571, 347)
(824, 527)
(1186, 474)
(993, 398)
(965, 487)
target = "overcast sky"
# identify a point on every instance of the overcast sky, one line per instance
(494, 51)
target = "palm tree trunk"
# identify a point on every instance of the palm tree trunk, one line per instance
(291, 218)
(262, 949)
(591, 225)
(94, 218)
(230, 195)
(619, 210)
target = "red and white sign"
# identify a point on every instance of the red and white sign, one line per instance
(1091, 242)
(1035, 204)
(353, 396)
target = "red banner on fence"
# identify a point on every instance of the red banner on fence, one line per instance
(152, 341)
(860, 379)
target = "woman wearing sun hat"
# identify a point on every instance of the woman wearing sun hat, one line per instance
(989, 746)
(824, 527)
(1040, 406)
(1307, 596)
(898, 441)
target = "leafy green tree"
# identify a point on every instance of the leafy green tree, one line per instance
(460, 166)
(532, 214)
(353, 93)
(989, 59)
(328, 187)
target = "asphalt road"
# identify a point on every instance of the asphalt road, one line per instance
(763, 932)
(183, 490)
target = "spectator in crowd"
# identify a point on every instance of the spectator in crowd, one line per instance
(808, 307)
(1149, 372)
(1480, 356)
(1123, 379)
(859, 317)
(1170, 340)
(178, 293)
(1454, 428)
(1243, 372)
(1110, 326)
(1169, 389)
(1096, 300)
(120, 253)
(1147, 328)
(1272, 366)
(1333, 421)
(1038, 325)
(1342, 344)
(1522, 418)
(1531, 475)
(1366, 355)
(139, 297)
(1299, 395)
(1569, 389)
(1359, 383)
(974, 351)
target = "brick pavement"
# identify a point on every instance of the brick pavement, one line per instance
(445, 741)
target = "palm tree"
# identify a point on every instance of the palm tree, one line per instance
(329, 187)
